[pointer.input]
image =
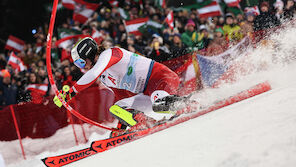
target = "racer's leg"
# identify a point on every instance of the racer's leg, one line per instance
(162, 88)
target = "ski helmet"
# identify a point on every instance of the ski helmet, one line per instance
(83, 49)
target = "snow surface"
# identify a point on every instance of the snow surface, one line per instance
(260, 131)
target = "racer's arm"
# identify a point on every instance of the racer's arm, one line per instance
(106, 59)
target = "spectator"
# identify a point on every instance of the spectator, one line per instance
(289, 10)
(247, 26)
(203, 38)
(220, 22)
(190, 36)
(7, 89)
(34, 78)
(177, 48)
(278, 6)
(67, 77)
(232, 31)
(218, 45)
(266, 19)
(158, 51)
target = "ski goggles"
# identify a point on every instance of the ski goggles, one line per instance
(80, 63)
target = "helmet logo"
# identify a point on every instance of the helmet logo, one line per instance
(130, 70)
(89, 49)
(80, 50)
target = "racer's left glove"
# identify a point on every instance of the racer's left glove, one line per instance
(66, 95)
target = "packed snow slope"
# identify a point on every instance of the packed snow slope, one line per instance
(260, 131)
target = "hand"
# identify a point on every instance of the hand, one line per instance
(65, 93)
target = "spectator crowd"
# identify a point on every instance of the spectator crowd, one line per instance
(207, 36)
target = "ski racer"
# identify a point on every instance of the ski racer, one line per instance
(153, 84)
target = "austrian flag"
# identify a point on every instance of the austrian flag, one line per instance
(16, 63)
(133, 25)
(211, 10)
(82, 13)
(232, 3)
(69, 4)
(15, 44)
(170, 20)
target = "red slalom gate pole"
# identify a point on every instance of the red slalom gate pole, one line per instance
(17, 130)
(83, 131)
(71, 122)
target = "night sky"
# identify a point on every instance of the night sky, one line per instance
(19, 17)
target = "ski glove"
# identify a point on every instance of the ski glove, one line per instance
(66, 95)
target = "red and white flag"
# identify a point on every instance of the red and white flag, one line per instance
(41, 88)
(69, 4)
(83, 12)
(67, 42)
(15, 44)
(170, 20)
(253, 9)
(97, 36)
(16, 63)
(84, 2)
(133, 25)
(232, 3)
(160, 3)
(211, 10)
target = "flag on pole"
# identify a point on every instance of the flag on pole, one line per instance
(210, 10)
(170, 19)
(160, 4)
(83, 12)
(67, 38)
(16, 63)
(133, 25)
(253, 9)
(69, 4)
(124, 14)
(67, 42)
(15, 44)
(232, 3)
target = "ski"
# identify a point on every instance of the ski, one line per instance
(106, 144)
